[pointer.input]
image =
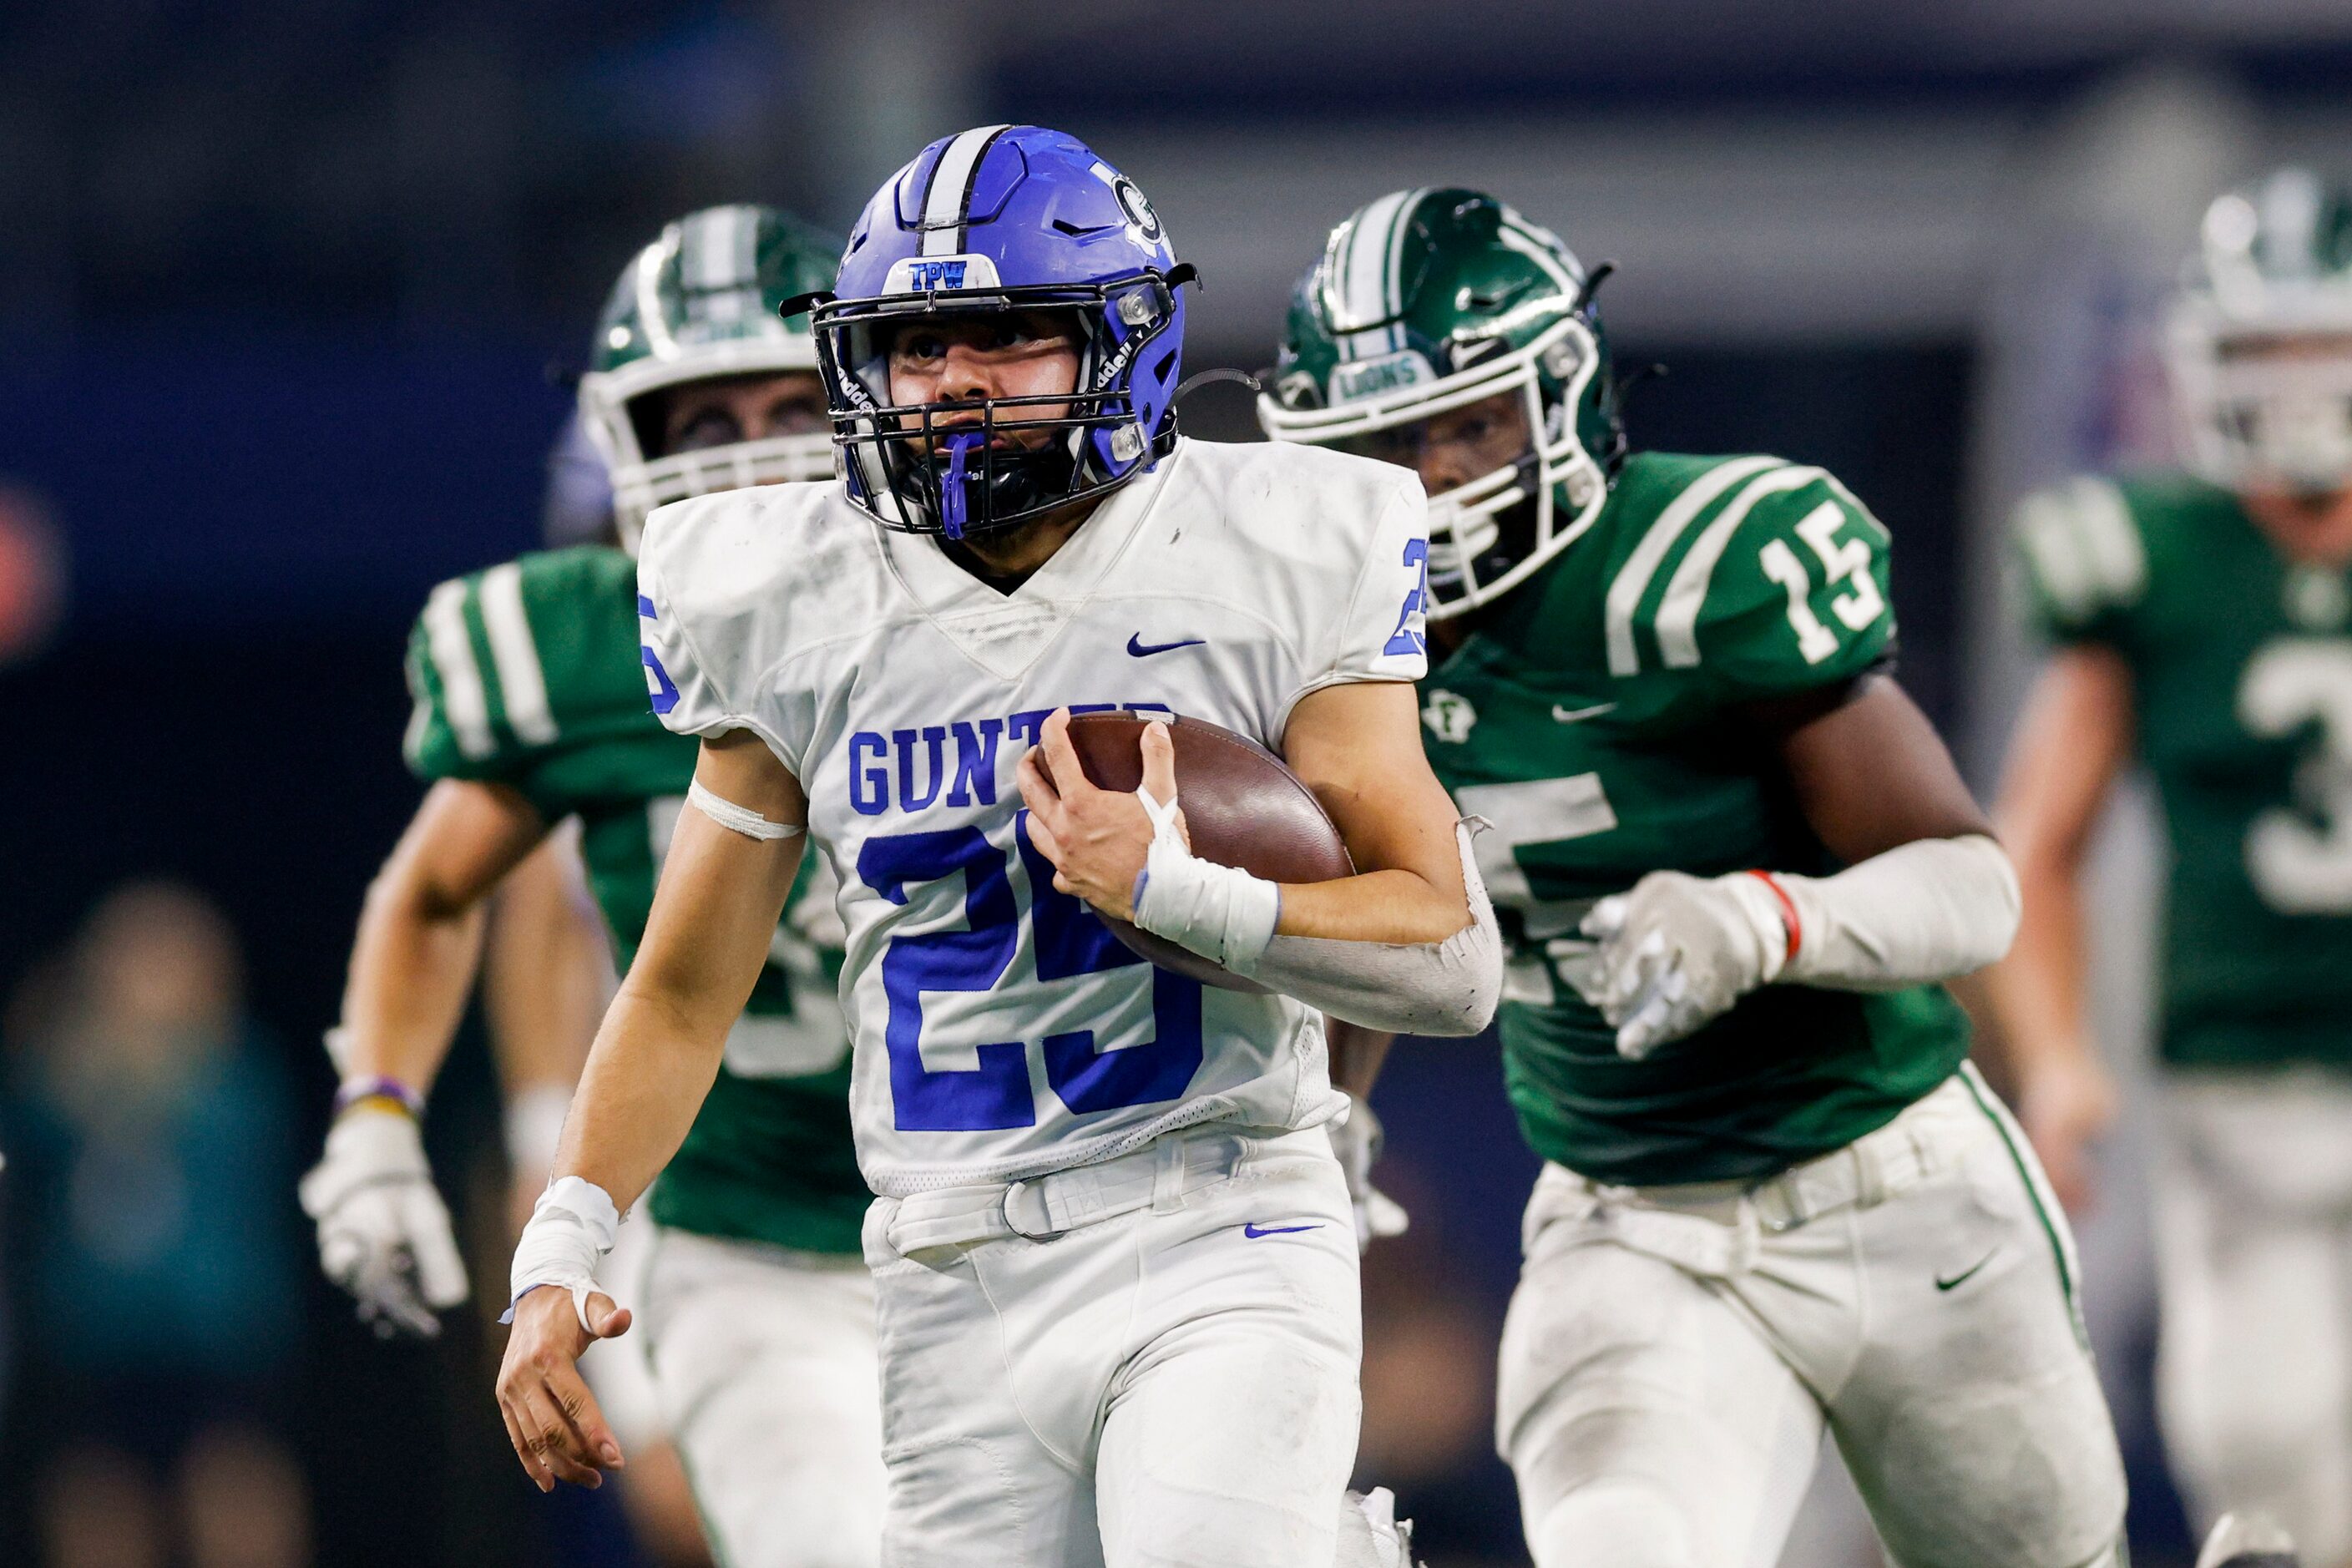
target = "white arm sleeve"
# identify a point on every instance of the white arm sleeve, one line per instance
(1926, 911)
(1446, 988)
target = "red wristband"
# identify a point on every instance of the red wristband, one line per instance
(1791, 926)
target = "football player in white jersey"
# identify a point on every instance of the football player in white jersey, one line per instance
(1114, 1256)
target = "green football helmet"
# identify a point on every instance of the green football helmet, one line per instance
(1429, 300)
(2260, 336)
(701, 302)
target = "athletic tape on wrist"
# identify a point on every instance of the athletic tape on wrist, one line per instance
(572, 1228)
(737, 818)
(1221, 912)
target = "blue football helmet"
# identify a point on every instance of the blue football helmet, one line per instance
(995, 219)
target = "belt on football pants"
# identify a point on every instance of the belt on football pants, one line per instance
(1712, 1227)
(1158, 1175)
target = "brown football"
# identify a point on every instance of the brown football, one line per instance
(1242, 807)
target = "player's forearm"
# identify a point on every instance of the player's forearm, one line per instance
(1357, 1054)
(1376, 906)
(412, 962)
(2037, 990)
(2073, 742)
(545, 978)
(1924, 911)
(653, 1060)
(653, 1064)
(1445, 988)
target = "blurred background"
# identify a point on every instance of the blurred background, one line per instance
(288, 295)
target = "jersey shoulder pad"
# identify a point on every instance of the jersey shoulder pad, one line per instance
(2085, 546)
(1334, 548)
(1752, 576)
(503, 662)
(718, 579)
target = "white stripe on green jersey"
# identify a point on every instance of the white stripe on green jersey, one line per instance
(1633, 580)
(522, 686)
(1677, 616)
(451, 647)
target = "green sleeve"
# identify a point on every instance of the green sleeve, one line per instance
(2084, 559)
(455, 731)
(1784, 590)
(505, 664)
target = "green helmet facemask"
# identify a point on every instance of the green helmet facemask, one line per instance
(1431, 300)
(700, 303)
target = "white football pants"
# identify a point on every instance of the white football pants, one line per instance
(1672, 1356)
(2254, 1245)
(1174, 1386)
(762, 1364)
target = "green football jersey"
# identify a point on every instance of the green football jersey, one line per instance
(1593, 718)
(2242, 674)
(528, 675)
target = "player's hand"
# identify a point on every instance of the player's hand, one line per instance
(2064, 1104)
(384, 1232)
(1356, 1139)
(558, 1432)
(1096, 838)
(1674, 953)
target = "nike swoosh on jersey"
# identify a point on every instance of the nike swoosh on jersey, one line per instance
(1254, 1231)
(1953, 1281)
(1571, 715)
(1141, 649)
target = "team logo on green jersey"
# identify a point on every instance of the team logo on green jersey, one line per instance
(1449, 717)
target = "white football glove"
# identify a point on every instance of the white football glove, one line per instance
(1356, 1139)
(1370, 1534)
(384, 1232)
(1674, 953)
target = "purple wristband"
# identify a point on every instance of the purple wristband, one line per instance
(378, 1087)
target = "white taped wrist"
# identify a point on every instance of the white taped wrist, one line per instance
(737, 818)
(570, 1230)
(1927, 911)
(1221, 912)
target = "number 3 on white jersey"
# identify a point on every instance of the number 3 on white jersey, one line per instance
(2298, 865)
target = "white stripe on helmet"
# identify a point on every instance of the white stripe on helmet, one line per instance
(948, 200)
(1361, 291)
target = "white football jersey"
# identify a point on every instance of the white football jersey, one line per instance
(998, 1029)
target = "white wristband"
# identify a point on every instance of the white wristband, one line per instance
(1221, 912)
(570, 1232)
(736, 818)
